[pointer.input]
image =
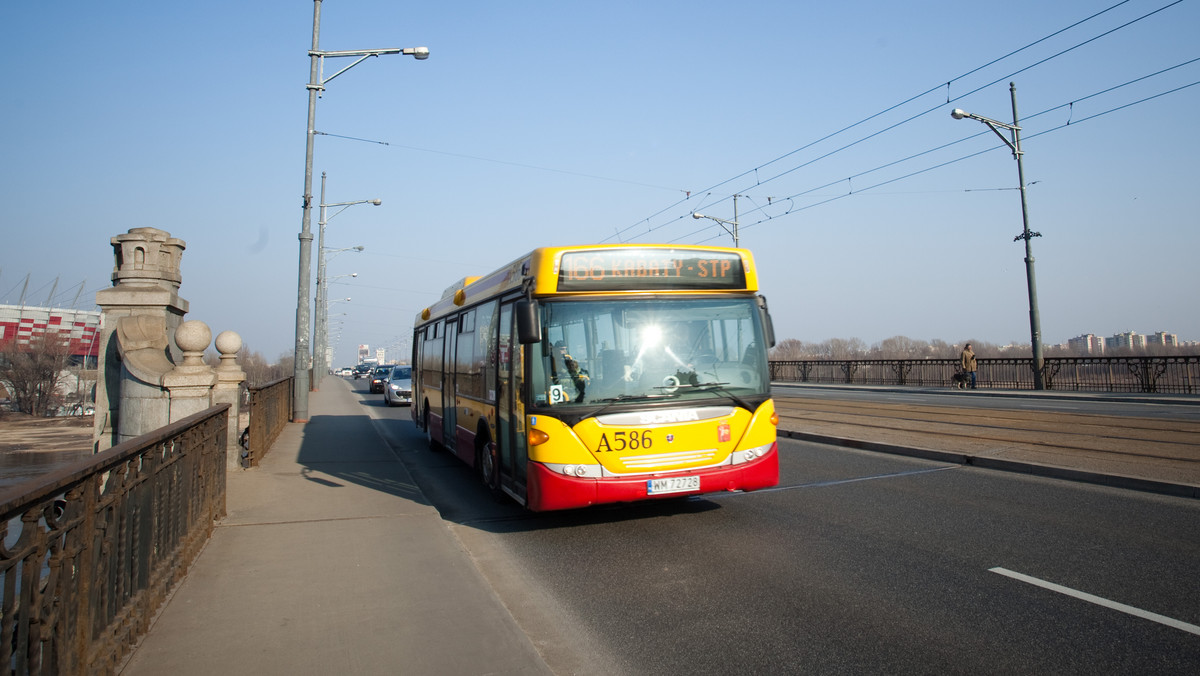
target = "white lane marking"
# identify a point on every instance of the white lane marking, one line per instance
(1084, 596)
(821, 484)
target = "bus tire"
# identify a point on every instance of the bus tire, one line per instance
(433, 445)
(487, 464)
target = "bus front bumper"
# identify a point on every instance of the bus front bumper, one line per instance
(549, 490)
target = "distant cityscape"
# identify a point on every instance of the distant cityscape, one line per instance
(1090, 343)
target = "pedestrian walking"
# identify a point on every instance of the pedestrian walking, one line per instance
(968, 364)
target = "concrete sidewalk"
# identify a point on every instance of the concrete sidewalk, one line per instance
(331, 561)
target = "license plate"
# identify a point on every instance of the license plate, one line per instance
(675, 484)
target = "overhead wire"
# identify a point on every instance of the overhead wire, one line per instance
(955, 160)
(878, 114)
(759, 182)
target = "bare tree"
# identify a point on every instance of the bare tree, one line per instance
(845, 348)
(31, 371)
(900, 347)
(258, 371)
(789, 349)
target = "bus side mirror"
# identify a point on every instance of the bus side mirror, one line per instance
(529, 323)
(768, 325)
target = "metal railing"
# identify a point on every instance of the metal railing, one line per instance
(1161, 375)
(90, 552)
(270, 411)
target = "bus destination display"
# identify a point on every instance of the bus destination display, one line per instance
(650, 269)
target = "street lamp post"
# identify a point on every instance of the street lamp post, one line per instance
(316, 85)
(1035, 322)
(321, 350)
(319, 326)
(725, 224)
(324, 317)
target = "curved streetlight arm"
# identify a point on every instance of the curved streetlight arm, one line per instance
(344, 206)
(332, 251)
(419, 53)
(723, 223)
(959, 113)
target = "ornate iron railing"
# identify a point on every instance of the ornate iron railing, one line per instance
(88, 553)
(1162, 375)
(270, 411)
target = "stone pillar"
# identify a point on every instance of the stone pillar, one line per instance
(230, 377)
(140, 346)
(144, 302)
(189, 385)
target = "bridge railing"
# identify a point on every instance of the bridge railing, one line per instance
(270, 411)
(89, 552)
(1158, 374)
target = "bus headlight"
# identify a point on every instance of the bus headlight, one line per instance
(580, 471)
(750, 454)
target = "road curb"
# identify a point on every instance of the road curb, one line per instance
(1062, 395)
(1037, 469)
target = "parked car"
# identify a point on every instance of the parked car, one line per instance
(379, 378)
(398, 390)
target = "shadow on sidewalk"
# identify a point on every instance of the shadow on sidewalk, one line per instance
(391, 456)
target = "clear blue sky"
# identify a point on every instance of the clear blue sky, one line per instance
(539, 123)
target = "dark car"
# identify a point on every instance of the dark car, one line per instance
(362, 371)
(379, 378)
(398, 389)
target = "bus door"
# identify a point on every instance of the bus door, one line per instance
(449, 385)
(511, 433)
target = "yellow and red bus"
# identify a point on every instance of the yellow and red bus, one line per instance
(583, 375)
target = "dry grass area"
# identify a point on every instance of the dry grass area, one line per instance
(21, 432)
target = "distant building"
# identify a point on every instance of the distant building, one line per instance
(1130, 339)
(1163, 339)
(1088, 343)
(80, 328)
(364, 353)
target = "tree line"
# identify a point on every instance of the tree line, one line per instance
(36, 375)
(903, 347)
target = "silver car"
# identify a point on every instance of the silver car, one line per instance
(398, 389)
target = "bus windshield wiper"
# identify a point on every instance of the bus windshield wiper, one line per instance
(634, 397)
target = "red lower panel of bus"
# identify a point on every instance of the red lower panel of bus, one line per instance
(548, 490)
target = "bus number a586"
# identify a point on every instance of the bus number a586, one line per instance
(625, 441)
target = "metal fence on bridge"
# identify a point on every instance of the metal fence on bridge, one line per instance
(270, 411)
(88, 553)
(1162, 375)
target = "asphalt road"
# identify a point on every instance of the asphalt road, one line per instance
(858, 562)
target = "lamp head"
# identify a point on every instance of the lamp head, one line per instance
(959, 113)
(359, 248)
(697, 215)
(420, 53)
(376, 202)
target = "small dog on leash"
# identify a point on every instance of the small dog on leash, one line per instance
(961, 380)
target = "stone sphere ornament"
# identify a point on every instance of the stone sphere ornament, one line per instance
(193, 337)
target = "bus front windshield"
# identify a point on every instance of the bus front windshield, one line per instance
(609, 351)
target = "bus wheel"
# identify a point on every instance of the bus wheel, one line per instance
(489, 469)
(429, 430)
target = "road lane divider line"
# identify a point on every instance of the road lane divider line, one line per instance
(1098, 600)
(833, 482)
